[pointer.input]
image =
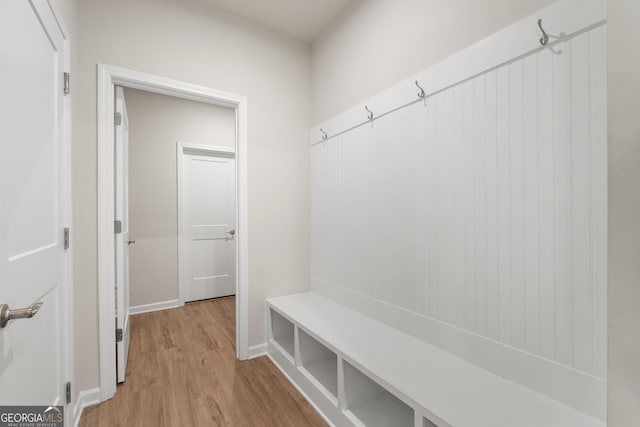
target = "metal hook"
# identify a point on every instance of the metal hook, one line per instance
(370, 115)
(324, 134)
(545, 37)
(421, 93)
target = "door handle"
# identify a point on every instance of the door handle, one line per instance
(131, 242)
(7, 314)
(232, 232)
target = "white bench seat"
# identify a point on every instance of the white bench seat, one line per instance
(442, 387)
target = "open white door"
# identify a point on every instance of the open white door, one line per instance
(207, 258)
(34, 206)
(122, 232)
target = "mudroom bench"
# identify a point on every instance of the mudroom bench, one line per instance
(357, 371)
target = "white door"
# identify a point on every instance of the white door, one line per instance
(34, 205)
(207, 250)
(122, 240)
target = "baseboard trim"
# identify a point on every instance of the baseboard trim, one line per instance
(85, 399)
(156, 306)
(258, 350)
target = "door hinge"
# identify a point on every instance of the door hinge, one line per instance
(68, 389)
(117, 227)
(66, 238)
(117, 119)
(67, 83)
(119, 335)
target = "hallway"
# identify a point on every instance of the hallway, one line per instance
(182, 371)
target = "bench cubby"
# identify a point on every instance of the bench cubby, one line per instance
(320, 363)
(283, 333)
(371, 404)
(357, 371)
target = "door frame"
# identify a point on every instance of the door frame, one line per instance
(108, 77)
(211, 151)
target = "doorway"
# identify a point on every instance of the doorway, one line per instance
(108, 78)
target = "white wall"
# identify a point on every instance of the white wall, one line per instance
(191, 41)
(379, 43)
(624, 220)
(156, 123)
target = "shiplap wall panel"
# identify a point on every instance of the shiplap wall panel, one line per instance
(598, 118)
(531, 203)
(483, 207)
(491, 159)
(546, 207)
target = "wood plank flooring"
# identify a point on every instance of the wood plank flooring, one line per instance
(182, 371)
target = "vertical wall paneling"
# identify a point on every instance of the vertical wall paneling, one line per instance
(563, 244)
(491, 156)
(531, 204)
(478, 305)
(598, 259)
(546, 204)
(503, 170)
(482, 207)
(580, 202)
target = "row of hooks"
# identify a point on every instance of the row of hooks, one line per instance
(543, 41)
(421, 95)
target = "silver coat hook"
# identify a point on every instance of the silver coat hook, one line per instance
(370, 115)
(421, 93)
(545, 37)
(324, 134)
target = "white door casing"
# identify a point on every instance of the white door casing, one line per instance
(108, 77)
(206, 222)
(122, 239)
(35, 357)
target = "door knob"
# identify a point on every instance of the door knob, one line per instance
(232, 232)
(7, 314)
(131, 242)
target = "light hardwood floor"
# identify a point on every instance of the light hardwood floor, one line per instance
(182, 371)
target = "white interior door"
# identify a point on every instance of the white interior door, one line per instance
(122, 239)
(207, 254)
(34, 209)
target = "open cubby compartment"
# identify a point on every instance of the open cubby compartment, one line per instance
(320, 363)
(427, 423)
(283, 333)
(371, 404)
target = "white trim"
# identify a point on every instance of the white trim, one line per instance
(207, 148)
(180, 152)
(85, 399)
(500, 48)
(107, 77)
(68, 322)
(258, 350)
(155, 306)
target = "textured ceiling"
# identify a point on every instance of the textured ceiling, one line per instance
(302, 19)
